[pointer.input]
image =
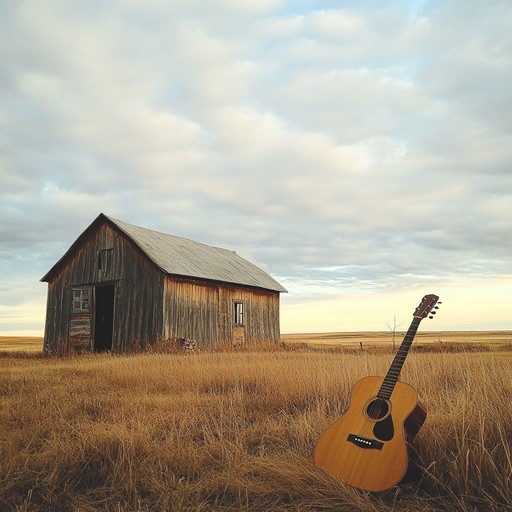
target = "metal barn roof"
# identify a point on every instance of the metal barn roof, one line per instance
(182, 257)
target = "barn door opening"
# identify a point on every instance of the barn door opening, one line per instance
(104, 317)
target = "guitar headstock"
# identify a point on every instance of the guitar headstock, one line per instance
(427, 306)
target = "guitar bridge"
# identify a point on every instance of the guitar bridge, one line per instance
(365, 442)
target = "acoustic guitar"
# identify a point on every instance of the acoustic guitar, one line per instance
(369, 447)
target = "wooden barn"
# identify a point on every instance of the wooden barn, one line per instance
(121, 285)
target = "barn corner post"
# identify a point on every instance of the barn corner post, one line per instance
(49, 344)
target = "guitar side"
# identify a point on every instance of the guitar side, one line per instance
(370, 454)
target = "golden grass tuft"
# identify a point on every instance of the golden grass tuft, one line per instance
(236, 430)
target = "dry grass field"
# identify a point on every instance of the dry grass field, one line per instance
(236, 430)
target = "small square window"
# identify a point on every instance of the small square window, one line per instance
(80, 299)
(238, 313)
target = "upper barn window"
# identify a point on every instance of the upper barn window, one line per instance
(80, 299)
(105, 259)
(238, 313)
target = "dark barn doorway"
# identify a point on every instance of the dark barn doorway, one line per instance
(104, 317)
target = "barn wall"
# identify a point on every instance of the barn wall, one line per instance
(105, 257)
(190, 310)
(204, 312)
(57, 320)
(261, 311)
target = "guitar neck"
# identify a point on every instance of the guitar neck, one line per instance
(396, 366)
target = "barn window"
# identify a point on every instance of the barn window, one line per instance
(105, 259)
(238, 313)
(80, 299)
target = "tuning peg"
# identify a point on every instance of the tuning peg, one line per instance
(430, 316)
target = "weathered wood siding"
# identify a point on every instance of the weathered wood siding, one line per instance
(80, 331)
(105, 257)
(204, 312)
(261, 312)
(190, 310)
(57, 319)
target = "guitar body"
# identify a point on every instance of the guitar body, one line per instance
(368, 447)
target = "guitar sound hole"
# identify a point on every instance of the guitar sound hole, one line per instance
(377, 409)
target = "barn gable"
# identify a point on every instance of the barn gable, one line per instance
(120, 284)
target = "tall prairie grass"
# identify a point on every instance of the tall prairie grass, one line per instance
(228, 431)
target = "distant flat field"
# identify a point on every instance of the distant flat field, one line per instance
(326, 339)
(21, 343)
(379, 338)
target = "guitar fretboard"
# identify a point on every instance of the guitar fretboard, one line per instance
(396, 366)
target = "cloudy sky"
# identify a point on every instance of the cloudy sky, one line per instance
(359, 151)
